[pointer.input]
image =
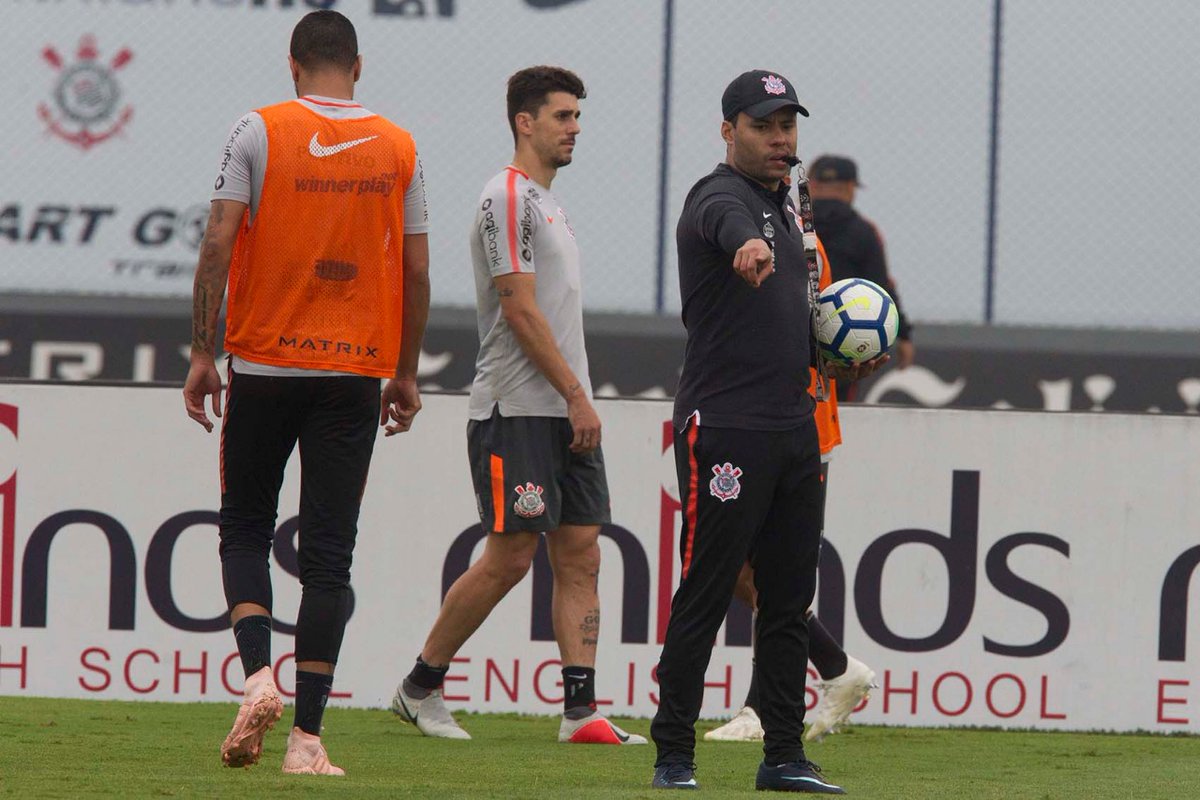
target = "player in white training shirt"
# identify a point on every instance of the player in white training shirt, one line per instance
(534, 435)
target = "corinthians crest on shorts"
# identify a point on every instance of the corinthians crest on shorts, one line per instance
(725, 484)
(529, 501)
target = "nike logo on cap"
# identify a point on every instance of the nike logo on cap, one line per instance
(321, 151)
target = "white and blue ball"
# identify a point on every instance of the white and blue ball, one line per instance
(856, 321)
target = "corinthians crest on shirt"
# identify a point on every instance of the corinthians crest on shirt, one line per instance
(529, 501)
(725, 484)
(86, 96)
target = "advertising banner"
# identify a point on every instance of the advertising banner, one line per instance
(994, 567)
(640, 356)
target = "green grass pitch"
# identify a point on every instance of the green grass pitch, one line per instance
(73, 748)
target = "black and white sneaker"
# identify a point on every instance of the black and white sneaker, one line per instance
(675, 776)
(794, 776)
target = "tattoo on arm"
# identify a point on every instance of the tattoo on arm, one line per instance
(200, 304)
(505, 292)
(206, 295)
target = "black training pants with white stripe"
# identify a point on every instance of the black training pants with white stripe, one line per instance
(334, 419)
(746, 495)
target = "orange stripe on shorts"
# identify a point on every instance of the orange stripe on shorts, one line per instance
(498, 493)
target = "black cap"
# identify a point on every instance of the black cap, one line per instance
(759, 93)
(833, 168)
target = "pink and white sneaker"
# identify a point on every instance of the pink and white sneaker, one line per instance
(306, 756)
(261, 708)
(595, 729)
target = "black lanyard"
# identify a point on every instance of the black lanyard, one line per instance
(804, 205)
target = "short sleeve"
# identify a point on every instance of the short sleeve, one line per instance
(416, 205)
(506, 224)
(245, 148)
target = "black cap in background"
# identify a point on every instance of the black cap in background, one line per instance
(833, 168)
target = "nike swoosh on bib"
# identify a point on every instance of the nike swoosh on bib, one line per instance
(321, 151)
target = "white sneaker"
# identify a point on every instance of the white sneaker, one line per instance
(429, 714)
(744, 727)
(839, 697)
(595, 728)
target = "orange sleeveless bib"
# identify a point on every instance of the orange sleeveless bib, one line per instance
(317, 278)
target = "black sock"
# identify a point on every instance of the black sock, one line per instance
(312, 693)
(424, 678)
(752, 692)
(579, 691)
(253, 637)
(823, 650)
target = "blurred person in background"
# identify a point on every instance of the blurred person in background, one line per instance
(854, 244)
(319, 227)
(533, 438)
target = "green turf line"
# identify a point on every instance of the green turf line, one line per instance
(72, 748)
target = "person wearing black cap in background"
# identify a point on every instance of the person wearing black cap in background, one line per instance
(746, 446)
(854, 244)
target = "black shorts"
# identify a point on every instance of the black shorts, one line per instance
(527, 479)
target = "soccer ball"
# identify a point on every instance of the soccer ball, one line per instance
(856, 321)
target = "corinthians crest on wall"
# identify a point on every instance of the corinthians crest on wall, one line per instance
(85, 107)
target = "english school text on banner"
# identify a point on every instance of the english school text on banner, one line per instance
(994, 568)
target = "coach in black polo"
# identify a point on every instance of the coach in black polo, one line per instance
(746, 449)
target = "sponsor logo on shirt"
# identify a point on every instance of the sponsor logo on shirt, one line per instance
(491, 234)
(333, 270)
(528, 213)
(317, 344)
(567, 222)
(319, 150)
(381, 184)
(227, 154)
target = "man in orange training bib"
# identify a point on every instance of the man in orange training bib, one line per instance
(319, 228)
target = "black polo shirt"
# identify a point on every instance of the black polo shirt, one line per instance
(747, 359)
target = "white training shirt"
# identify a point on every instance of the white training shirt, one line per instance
(240, 177)
(520, 227)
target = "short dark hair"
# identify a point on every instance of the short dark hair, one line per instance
(324, 39)
(528, 89)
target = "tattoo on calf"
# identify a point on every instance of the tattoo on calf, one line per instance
(591, 627)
